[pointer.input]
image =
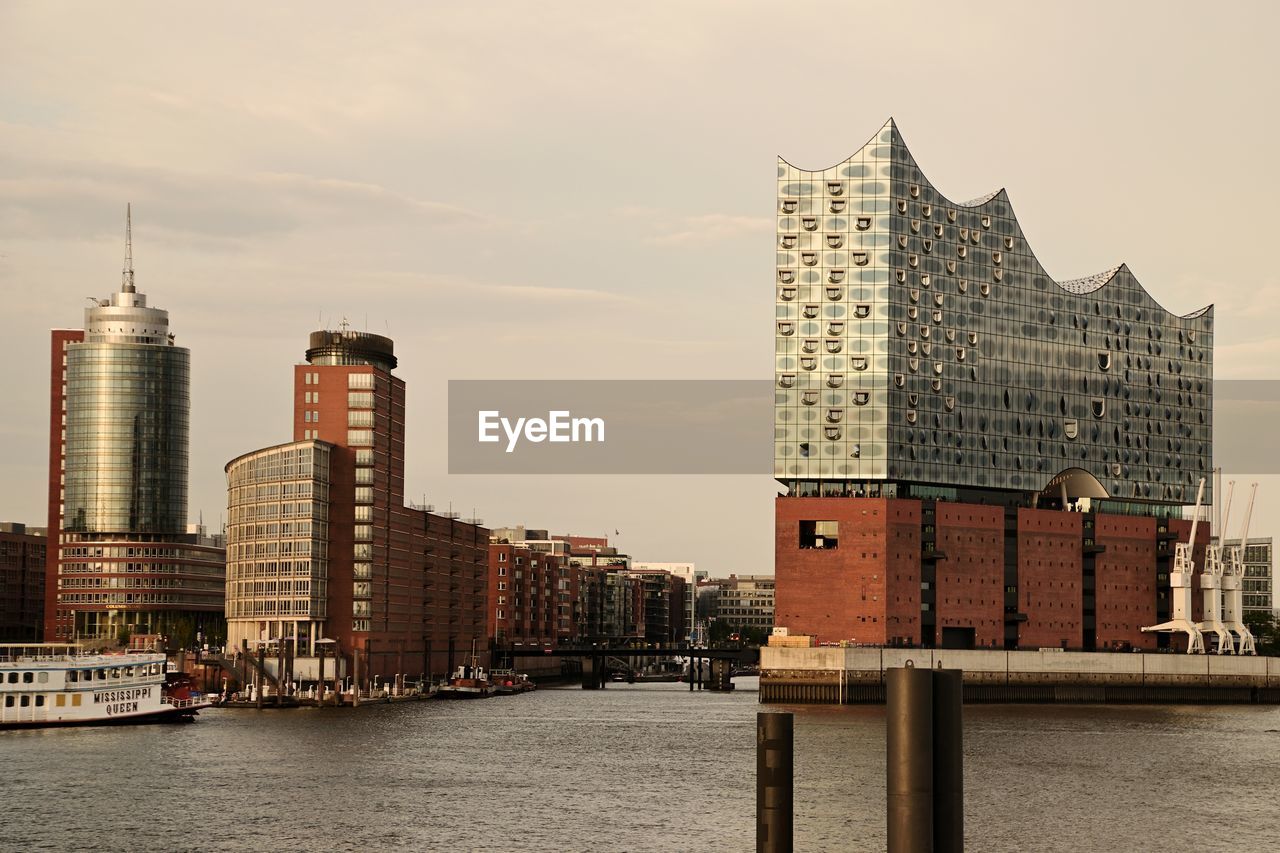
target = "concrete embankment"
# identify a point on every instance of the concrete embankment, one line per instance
(831, 676)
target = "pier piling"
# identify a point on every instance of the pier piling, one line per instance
(909, 765)
(948, 761)
(355, 681)
(320, 680)
(257, 680)
(924, 769)
(775, 768)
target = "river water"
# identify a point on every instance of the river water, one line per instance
(632, 768)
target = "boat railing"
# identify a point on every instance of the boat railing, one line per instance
(37, 652)
(193, 702)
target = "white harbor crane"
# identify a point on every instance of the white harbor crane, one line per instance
(1180, 588)
(1233, 583)
(1211, 580)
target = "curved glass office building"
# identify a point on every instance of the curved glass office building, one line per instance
(127, 435)
(125, 561)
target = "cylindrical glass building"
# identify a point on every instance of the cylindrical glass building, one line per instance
(127, 563)
(127, 437)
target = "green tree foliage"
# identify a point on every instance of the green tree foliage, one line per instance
(721, 631)
(1266, 632)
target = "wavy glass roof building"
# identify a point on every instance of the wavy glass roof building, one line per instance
(920, 341)
(941, 401)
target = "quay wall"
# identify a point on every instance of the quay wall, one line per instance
(856, 676)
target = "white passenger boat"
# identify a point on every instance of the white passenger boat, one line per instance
(60, 685)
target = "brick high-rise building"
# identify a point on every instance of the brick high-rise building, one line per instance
(975, 454)
(23, 562)
(120, 558)
(320, 542)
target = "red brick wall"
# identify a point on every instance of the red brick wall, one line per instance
(1126, 580)
(1050, 578)
(849, 592)
(970, 580)
(57, 407)
(868, 589)
(430, 574)
(902, 567)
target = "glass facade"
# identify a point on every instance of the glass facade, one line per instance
(127, 562)
(277, 543)
(126, 438)
(1256, 586)
(919, 340)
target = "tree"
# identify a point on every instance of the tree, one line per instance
(122, 637)
(1266, 632)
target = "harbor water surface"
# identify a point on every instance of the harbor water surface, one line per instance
(634, 768)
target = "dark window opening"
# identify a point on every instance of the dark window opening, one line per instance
(822, 535)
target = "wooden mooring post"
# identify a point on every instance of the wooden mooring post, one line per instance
(775, 771)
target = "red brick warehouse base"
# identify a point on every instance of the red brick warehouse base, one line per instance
(889, 571)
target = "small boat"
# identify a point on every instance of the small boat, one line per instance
(467, 682)
(507, 682)
(53, 684)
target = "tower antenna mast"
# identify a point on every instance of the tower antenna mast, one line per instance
(126, 275)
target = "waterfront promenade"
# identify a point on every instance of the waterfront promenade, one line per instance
(853, 675)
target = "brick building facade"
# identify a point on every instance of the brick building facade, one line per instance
(966, 575)
(403, 587)
(975, 454)
(22, 575)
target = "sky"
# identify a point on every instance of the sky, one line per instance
(584, 191)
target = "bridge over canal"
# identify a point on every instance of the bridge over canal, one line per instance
(721, 659)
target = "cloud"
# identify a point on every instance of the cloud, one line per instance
(61, 199)
(704, 228)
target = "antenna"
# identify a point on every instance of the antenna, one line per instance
(126, 275)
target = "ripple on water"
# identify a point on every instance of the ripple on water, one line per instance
(633, 767)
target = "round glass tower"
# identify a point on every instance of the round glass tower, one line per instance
(128, 402)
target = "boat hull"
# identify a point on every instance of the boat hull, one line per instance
(463, 693)
(164, 715)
